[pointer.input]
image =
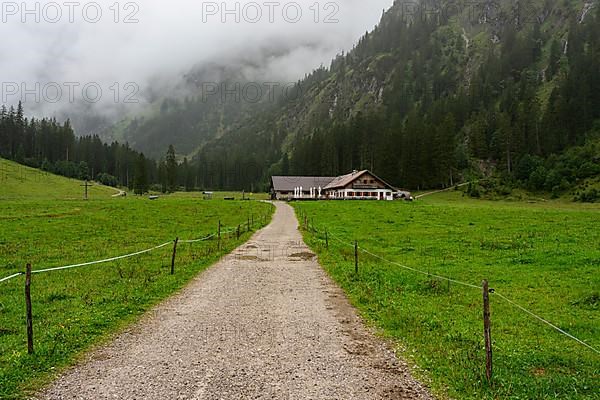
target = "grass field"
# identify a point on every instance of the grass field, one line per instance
(544, 256)
(21, 182)
(222, 195)
(76, 308)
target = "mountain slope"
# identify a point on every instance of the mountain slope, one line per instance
(423, 100)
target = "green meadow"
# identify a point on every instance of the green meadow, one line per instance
(544, 256)
(18, 182)
(77, 308)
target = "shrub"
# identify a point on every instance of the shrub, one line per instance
(474, 191)
(526, 166)
(107, 179)
(553, 180)
(589, 196)
(537, 179)
(588, 169)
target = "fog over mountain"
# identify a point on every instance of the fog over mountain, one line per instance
(152, 45)
(429, 97)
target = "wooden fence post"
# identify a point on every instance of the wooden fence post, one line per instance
(219, 236)
(487, 331)
(356, 257)
(29, 312)
(173, 257)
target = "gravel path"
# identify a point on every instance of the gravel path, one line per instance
(263, 323)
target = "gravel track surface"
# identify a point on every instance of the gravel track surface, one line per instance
(265, 322)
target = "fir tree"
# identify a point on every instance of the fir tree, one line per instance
(141, 176)
(171, 170)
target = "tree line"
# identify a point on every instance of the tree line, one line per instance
(424, 108)
(54, 147)
(413, 102)
(433, 128)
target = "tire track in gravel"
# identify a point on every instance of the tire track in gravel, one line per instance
(265, 322)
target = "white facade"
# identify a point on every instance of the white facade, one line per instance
(362, 194)
(310, 193)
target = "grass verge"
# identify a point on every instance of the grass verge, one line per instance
(75, 309)
(544, 256)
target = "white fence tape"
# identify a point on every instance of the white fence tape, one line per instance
(137, 253)
(199, 240)
(10, 277)
(472, 286)
(546, 322)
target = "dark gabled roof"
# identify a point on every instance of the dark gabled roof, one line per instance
(345, 180)
(289, 183)
(342, 181)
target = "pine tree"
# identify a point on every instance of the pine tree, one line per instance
(140, 185)
(162, 176)
(171, 170)
(83, 171)
(188, 176)
(554, 60)
(285, 164)
(444, 151)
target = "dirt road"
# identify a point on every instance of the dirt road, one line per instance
(264, 323)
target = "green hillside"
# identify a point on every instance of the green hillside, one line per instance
(21, 182)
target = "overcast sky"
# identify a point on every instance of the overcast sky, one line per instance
(164, 40)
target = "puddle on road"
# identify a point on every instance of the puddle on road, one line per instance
(305, 256)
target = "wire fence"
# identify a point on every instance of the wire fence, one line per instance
(249, 224)
(11, 277)
(221, 233)
(199, 240)
(137, 253)
(323, 232)
(327, 234)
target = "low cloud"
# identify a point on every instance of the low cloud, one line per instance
(136, 51)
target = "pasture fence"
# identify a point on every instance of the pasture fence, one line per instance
(175, 253)
(219, 234)
(326, 234)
